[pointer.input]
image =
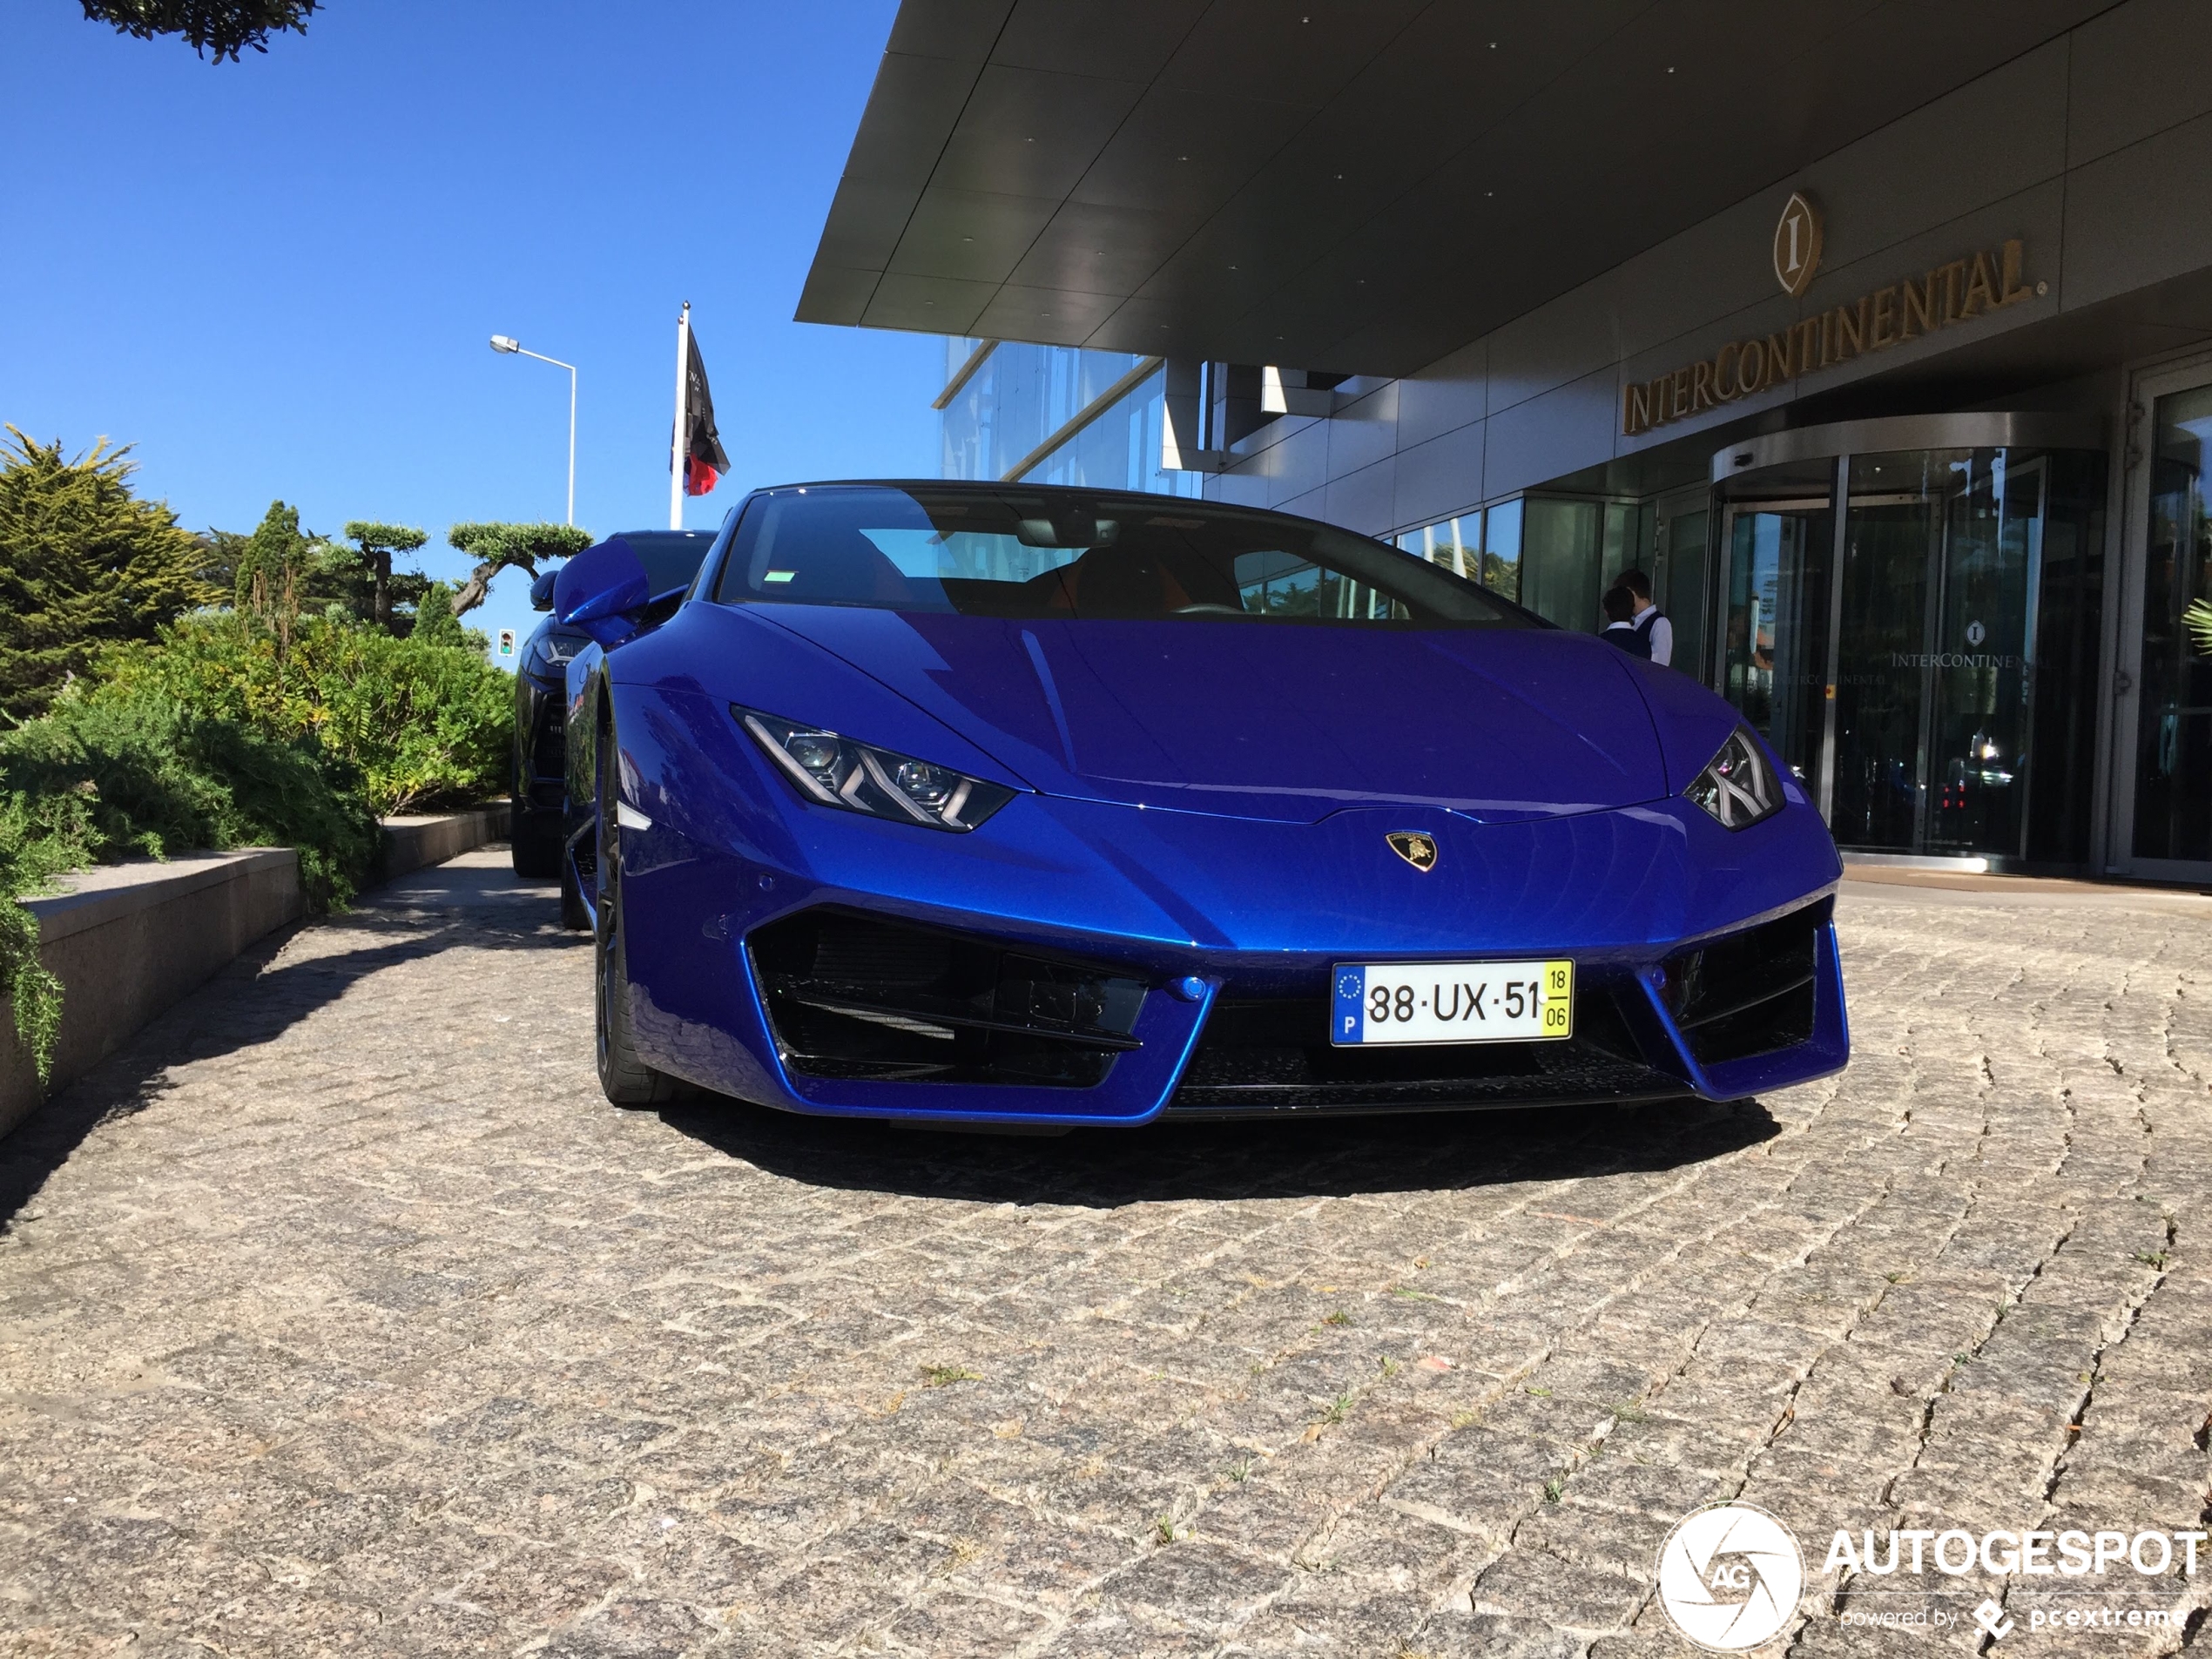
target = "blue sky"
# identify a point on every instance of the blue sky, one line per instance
(276, 278)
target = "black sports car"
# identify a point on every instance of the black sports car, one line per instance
(539, 816)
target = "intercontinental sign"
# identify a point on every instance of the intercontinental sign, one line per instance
(1966, 288)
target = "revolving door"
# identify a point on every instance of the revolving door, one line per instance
(1908, 611)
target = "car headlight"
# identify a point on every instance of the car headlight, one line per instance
(861, 778)
(1737, 786)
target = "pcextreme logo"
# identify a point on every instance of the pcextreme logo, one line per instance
(1730, 1576)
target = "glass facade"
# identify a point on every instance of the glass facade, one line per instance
(1679, 569)
(1482, 547)
(1929, 688)
(1022, 395)
(1556, 554)
(2173, 762)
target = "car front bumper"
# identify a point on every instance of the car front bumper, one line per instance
(1239, 911)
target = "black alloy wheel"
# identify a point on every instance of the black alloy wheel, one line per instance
(624, 1078)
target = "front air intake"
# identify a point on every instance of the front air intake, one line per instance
(1265, 1052)
(851, 995)
(1750, 994)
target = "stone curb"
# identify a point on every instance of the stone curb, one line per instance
(128, 940)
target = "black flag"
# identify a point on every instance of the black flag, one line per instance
(704, 460)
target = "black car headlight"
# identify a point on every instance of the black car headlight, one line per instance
(861, 778)
(1737, 786)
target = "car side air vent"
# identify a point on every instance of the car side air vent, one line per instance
(1749, 994)
(851, 995)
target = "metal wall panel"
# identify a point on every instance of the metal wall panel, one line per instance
(2138, 216)
(1442, 478)
(2137, 71)
(1528, 442)
(1362, 501)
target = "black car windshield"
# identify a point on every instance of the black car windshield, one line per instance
(671, 558)
(1065, 554)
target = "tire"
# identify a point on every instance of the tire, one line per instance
(624, 1078)
(534, 846)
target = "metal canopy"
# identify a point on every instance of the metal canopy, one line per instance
(1355, 185)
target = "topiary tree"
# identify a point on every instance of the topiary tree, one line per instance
(223, 27)
(496, 546)
(374, 545)
(83, 561)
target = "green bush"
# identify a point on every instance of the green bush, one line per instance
(108, 773)
(424, 722)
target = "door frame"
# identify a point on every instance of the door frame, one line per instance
(1721, 533)
(1665, 509)
(2128, 576)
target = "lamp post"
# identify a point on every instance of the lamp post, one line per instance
(513, 348)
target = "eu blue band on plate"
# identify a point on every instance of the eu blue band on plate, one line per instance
(1350, 1010)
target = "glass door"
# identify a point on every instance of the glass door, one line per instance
(1776, 541)
(1980, 763)
(1900, 670)
(2164, 687)
(1892, 546)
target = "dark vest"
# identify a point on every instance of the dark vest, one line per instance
(1643, 630)
(1635, 641)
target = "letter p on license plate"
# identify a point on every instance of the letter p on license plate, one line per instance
(1403, 1003)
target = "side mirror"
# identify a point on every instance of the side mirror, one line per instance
(542, 591)
(600, 588)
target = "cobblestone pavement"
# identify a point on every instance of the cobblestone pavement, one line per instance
(341, 1313)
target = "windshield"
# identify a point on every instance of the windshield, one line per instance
(1063, 554)
(671, 558)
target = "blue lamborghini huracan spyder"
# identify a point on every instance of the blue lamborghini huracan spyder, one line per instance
(1002, 803)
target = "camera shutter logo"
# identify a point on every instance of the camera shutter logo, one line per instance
(1797, 245)
(1730, 1576)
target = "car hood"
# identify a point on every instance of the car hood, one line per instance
(1265, 720)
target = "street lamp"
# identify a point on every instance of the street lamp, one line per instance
(502, 343)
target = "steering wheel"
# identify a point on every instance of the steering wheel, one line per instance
(1209, 610)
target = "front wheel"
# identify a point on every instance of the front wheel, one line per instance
(624, 1078)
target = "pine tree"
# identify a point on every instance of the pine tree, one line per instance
(83, 561)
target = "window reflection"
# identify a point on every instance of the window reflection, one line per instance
(2173, 722)
(1022, 394)
(1556, 554)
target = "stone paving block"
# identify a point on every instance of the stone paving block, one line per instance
(331, 1345)
(1532, 1584)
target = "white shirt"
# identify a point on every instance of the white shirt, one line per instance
(1662, 637)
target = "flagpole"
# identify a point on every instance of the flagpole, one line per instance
(675, 445)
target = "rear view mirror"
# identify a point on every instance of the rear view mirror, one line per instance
(542, 591)
(600, 590)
